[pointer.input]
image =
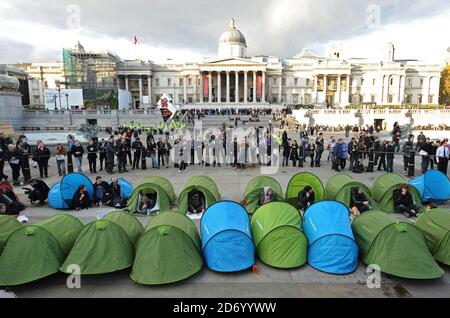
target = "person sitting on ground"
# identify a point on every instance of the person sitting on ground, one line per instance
(196, 204)
(267, 196)
(2, 209)
(404, 203)
(360, 201)
(9, 199)
(116, 194)
(102, 192)
(39, 191)
(148, 202)
(305, 198)
(81, 199)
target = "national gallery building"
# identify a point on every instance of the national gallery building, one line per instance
(234, 79)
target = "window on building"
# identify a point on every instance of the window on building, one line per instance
(275, 81)
(308, 82)
(362, 81)
(294, 98)
(391, 81)
(169, 82)
(157, 82)
(274, 99)
(430, 99)
(296, 82)
(284, 81)
(390, 98)
(419, 98)
(410, 82)
(421, 82)
(190, 81)
(180, 82)
(374, 81)
(372, 98)
(408, 98)
(307, 99)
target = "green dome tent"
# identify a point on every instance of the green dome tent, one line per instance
(435, 226)
(397, 247)
(340, 186)
(383, 191)
(64, 227)
(30, 253)
(162, 187)
(276, 231)
(168, 251)
(203, 184)
(299, 182)
(101, 247)
(8, 225)
(255, 188)
(128, 222)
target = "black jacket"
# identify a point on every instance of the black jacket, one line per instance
(104, 185)
(42, 187)
(406, 200)
(302, 198)
(92, 151)
(76, 149)
(358, 198)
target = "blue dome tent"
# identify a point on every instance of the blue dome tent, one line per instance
(226, 237)
(61, 194)
(433, 186)
(332, 247)
(126, 188)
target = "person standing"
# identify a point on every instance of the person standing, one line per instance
(92, 156)
(60, 154)
(14, 156)
(311, 151)
(294, 153)
(192, 144)
(102, 153)
(382, 161)
(122, 150)
(159, 147)
(42, 158)
(137, 147)
(2, 164)
(390, 149)
(425, 151)
(406, 151)
(442, 156)
(320, 147)
(23, 145)
(110, 153)
(376, 150)
(77, 151)
(151, 149)
(166, 147)
(434, 146)
(286, 152)
(354, 154)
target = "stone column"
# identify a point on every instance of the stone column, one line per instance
(141, 98)
(315, 88)
(426, 90)
(202, 96)
(386, 89)
(185, 78)
(339, 89)
(236, 87)
(280, 87)
(149, 89)
(126, 83)
(245, 86)
(263, 96)
(348, 89)
(254, 86)
(195, 89)
(219, 87)
(210, 87)
(325, 88)
(228, 86)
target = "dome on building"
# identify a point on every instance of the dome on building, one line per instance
(9, 83)
(232, 36)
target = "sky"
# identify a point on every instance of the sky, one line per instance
(37, 30)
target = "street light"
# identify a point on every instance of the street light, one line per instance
(54, 98)
(67, 100)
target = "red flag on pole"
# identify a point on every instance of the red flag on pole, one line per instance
(135, 40)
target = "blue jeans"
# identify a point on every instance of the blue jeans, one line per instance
(98, 195)
(154, 162)
(79, 161)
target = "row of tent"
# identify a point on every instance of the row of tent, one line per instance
(433, 186)
(170, 249)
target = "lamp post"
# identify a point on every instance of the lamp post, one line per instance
(67, 100)
(54, 98)
(59, 93)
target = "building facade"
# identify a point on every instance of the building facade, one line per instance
(235, 80)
